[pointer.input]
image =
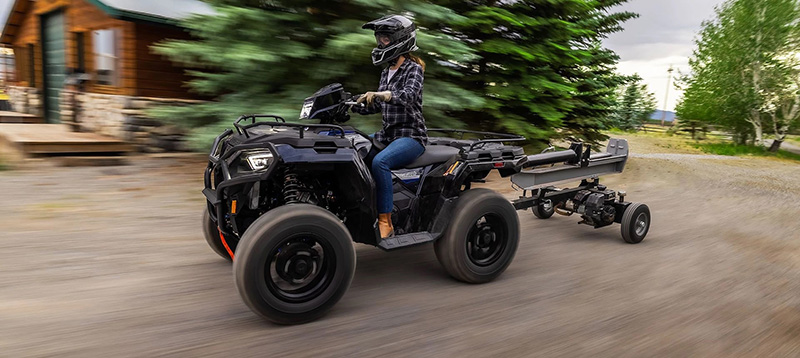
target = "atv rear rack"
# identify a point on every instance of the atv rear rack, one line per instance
(499, 137)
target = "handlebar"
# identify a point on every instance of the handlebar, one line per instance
(362, 104)
(351, 103)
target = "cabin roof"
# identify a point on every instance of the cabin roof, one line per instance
(168, 12)
(155, 11)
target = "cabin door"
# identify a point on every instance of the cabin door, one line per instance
(54, 63)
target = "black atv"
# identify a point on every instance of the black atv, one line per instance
(286, 201)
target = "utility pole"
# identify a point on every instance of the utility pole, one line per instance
(666, 98)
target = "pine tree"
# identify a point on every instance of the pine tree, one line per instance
(256, 56)
(542, 70)
(532, 67)
(636, 105)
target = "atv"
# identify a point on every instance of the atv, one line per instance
(286, 201)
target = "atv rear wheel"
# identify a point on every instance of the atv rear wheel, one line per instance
(294, 263)
(481, 239)
(211, 233)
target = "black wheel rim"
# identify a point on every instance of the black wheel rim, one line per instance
(487, 240)
(547, 207)
(641, 224)
(300, 268)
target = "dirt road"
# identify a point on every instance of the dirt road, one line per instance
(110, 262)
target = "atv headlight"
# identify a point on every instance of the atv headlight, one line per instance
(258, 160)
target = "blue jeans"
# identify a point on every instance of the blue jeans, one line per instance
(401, 152)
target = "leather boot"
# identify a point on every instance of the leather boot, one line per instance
(385, 225)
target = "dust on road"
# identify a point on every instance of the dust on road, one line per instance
(112, 262)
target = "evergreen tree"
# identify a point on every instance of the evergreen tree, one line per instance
(635, 106)
(532, 67)
(542, 70)
(256, 56)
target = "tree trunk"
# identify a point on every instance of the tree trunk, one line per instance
(782, 129)
(758, 140)
(740, 138)
(776, 144)
(755, 113)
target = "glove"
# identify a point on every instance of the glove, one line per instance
(371, 97)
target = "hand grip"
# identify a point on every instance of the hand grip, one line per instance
(351, 103)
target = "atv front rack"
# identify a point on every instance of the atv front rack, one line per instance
(279, 122)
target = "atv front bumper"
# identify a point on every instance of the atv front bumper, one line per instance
(217, 178)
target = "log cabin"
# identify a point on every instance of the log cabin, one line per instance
(88, 63)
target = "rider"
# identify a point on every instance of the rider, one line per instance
(399, 99)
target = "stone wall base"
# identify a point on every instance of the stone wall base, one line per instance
(123, 117)
(25, 100)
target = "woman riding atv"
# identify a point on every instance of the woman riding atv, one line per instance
(399, 100)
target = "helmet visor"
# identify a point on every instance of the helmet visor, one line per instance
(383, 39)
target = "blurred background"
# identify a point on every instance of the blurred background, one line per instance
(107, 106)
(169, 75)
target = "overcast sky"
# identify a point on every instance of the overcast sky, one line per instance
(661, 36)
(5, 7)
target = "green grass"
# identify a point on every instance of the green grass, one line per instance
(743, 150)
(616, 130)
(793, 139)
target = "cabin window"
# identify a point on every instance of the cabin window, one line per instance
(31, 66)
(9, 65)
(80, 53)
(106, 60)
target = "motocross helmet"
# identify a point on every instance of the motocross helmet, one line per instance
(395, 35)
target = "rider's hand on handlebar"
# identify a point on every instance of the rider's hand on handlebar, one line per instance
(371, 97)
(352, 104)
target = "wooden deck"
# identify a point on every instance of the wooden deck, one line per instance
(15, 117)
(21, 141)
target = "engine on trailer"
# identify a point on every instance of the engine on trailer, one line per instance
(596, 206)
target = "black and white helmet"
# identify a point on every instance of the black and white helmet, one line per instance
(395, 35)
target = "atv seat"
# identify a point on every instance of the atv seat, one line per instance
(434, 154)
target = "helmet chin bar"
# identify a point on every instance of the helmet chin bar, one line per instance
(377, 57)
(389, 55)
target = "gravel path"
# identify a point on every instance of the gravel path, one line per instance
(682, 157)
(110, 262)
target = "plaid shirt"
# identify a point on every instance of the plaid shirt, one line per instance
(402, 115)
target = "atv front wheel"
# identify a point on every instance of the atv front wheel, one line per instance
(481, 239)
(211, 233)
(294, 263)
